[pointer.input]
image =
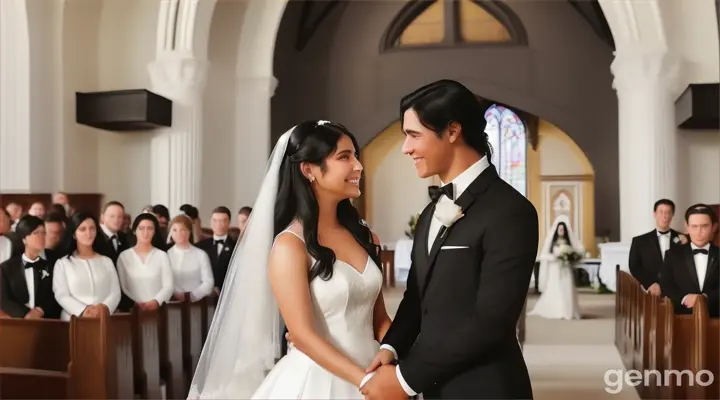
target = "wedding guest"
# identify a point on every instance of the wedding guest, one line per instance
(15, 211)
(163, 216)
(691, 270)
(26, 280)
(127, 222)
(85, 281)
(59, 209)
(242, 219)
(54, 230)
(113, 240)
(648, 250)
(6, 244)
(62, 199)
(219, 248)
(37, 209)
(144, 270)
(192, 272)
(194, 215)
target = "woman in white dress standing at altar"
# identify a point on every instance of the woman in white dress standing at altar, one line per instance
(559, 299)
(144, 270)
(84, 281)
(191, 268)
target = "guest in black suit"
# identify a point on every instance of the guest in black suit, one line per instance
(219, 247)
(647, 251)
(26, 280)
(693, 269)
(113, 240)
(54, 230)
(476, 243)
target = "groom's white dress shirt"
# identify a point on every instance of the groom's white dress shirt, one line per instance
(701, 264)
(460, 184)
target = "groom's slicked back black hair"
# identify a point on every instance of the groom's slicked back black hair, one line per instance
(444, 101)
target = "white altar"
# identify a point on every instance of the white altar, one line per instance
(403, 249)
(611, 255)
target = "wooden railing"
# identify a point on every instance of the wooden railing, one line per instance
(678, 356)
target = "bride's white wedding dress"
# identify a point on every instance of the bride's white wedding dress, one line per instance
(559, 300)
(343, 312)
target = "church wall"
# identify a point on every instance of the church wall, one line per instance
(126, 46)
(218, 175)
(562, 76)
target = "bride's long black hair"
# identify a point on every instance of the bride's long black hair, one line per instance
(312, 143)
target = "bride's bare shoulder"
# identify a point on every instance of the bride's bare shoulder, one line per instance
(289, 248)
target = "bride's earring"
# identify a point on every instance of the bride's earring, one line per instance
(312, 179)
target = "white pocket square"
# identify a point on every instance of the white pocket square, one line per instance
(454, 247)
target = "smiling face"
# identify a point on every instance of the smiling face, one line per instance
(113, 218)
(339, 177)
(430, 153)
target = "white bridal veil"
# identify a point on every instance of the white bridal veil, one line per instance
(244, 339)
(545, 252)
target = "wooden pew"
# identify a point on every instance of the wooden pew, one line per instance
(193, 316)
(171, 350)
(146, 353)
(34, 358)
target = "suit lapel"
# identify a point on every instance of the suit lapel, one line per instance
(421, 249)
(465, 201)
(19, 283)
(690, 265)
(712, 265)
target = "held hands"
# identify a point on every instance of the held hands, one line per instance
(383, 385)
(383, 357)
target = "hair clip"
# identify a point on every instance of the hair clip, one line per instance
(323, 122)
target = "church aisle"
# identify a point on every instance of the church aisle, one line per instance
(568, 359)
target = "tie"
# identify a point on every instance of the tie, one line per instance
(216, 242)
(437, 191)
(700, 251)
(114, 241)
(663, 233)
(29, 264)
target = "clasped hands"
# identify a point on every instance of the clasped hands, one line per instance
(93, 311)
(380, 380)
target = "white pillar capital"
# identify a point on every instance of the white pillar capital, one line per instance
(179, 77)
(258, 85)
(635, 69)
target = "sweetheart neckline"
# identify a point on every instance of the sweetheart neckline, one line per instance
(355, 269)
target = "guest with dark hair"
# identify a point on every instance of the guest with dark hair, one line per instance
(194, 215)
(242, 219)
(85, 281)
(163, 216)
(58, 209)
(219, 247)
(144, 270)
(54, 230)
(26, 280)
(692, 270)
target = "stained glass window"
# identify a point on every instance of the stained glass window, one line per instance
(509, 142)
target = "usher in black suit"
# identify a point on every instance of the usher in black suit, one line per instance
(14, 290)
(680, 278)
(646, 259)
(455, 328)
(219, 262)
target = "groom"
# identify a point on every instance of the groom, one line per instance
(475, 246)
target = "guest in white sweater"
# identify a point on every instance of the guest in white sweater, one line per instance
(192, 272)
(84, 281)
(144, 270)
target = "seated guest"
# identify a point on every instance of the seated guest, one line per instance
(692, 270)
(163, 216)
(113, 240)
(6, 244)
(144, 269)
(192, 273)
(26, 280)
(59, 209)
(194, 215)
(242, 219)
(37, 209)
(54, 230)
(219, 248)
(85, 281)
(647, 251)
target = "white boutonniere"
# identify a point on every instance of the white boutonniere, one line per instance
(676, 239)
(45, 274)
(227, 249)
(680, 238)
(447, 212)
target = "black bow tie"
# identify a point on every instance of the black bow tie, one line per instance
(216, 242)
(31, 264)
(663, 233)
(437, 191)
(700, 251)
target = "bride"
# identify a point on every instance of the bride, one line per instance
(306, 244)
(559, 298)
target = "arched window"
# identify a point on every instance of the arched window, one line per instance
(508, 138)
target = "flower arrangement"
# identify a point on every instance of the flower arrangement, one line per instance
(567, 255)
(412, 224)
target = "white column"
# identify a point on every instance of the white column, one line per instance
(646, 84)
(177, 151)
(252, 135)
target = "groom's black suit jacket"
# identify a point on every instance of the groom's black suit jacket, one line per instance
(454, 330)
(646, 258)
